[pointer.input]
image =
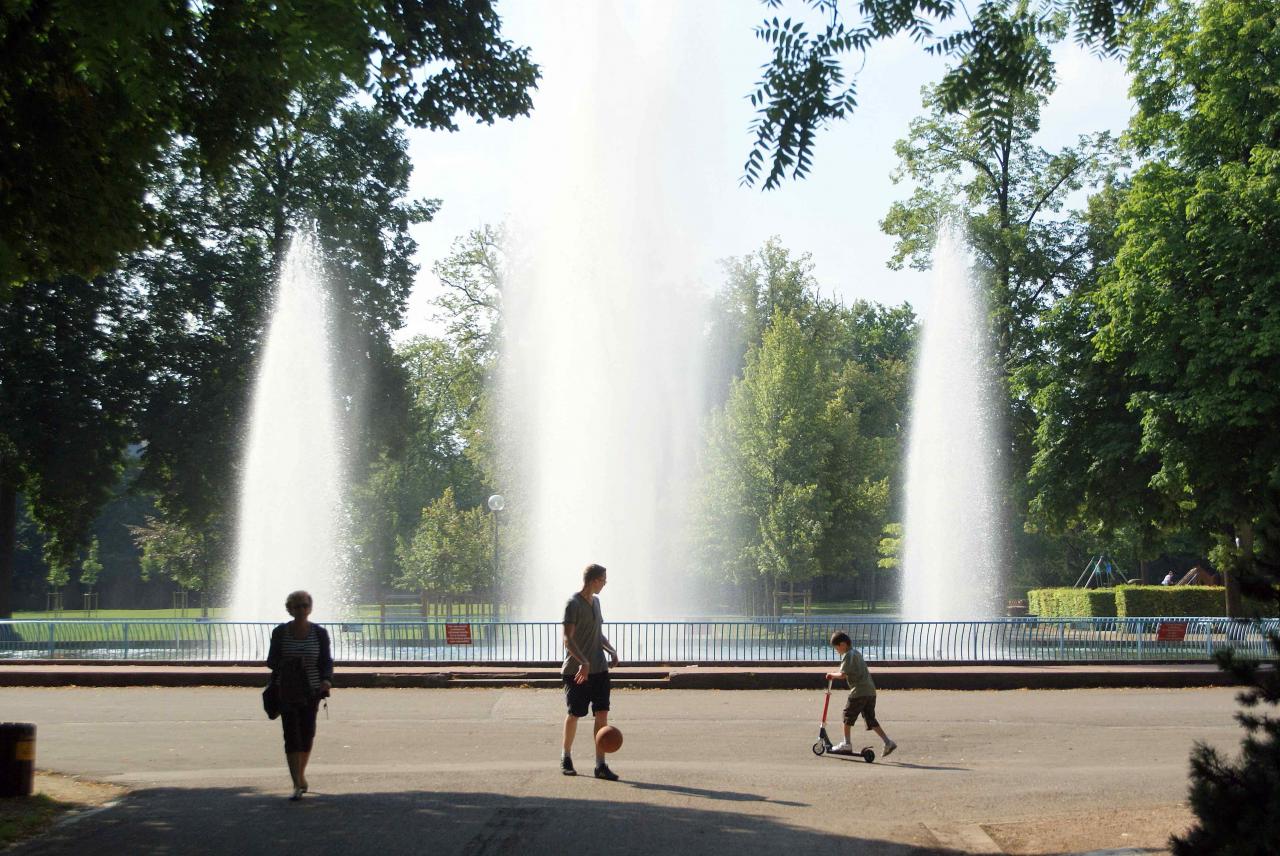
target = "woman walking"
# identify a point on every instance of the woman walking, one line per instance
(301, 664)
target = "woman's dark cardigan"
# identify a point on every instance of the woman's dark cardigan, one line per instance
(324, 663)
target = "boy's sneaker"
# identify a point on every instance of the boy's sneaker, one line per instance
(888, 749)
(842, 748)
(603, 772)
(566, 766)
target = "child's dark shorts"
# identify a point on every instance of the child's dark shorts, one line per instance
(595, 692)
(864, 705)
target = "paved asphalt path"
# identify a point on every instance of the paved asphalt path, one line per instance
(474, 771)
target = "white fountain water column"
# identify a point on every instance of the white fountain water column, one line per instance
(604, 323)
(952, 530)
(290, 517)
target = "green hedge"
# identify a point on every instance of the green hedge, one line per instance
(1072, 603)
(1141, 601)
(1127, 601)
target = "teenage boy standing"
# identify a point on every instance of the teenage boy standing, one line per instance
(586, 668)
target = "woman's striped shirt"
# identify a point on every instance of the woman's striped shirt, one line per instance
(308, 649)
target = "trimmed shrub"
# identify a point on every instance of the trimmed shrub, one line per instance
(1142, 601)
(1072, 603)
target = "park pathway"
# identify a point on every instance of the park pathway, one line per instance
(473, 771)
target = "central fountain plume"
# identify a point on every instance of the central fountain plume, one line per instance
(290, 518)
(952, 531)
(603, 325)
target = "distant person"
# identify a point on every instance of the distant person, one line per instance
(301, 664)
(586, 669)
(1168, 579)
(862, 693)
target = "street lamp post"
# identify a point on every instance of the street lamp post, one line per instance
(496, 503)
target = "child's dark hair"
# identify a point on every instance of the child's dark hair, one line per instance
(840, 636)
(593, 572)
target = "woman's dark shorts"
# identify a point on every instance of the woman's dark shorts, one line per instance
(864, 705)
(594, 692)
(299, 722)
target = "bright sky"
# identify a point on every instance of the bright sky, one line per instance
(708, 51)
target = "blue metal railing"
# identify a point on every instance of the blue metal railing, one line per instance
(765, 640)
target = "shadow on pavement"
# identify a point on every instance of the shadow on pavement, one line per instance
(245, 821)
(882, 763)
(733, 796)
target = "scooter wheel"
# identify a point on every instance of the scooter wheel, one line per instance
(818, 748)
(868, 754)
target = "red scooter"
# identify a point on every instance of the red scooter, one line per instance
(823, 746)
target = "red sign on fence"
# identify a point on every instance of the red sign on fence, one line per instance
(1171, 631)
(457, 634)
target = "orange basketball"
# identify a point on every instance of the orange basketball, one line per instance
(608, 739)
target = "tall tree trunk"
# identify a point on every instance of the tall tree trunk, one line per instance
(1244, 561)
(8, 544)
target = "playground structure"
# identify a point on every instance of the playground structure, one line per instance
(1101, 572)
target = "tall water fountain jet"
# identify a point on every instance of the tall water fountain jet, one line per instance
(290, 519)
(952, 531)
(601, 390)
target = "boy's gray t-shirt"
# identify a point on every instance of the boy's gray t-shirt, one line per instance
(855, 669)
(588, 628)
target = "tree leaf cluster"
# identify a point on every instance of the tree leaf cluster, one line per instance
(806, 84)
(93, 97)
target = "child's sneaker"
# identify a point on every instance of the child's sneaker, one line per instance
(842, 748)
(888, 748)
(603, 772)
(566, 766)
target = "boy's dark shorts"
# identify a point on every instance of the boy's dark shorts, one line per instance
(865, 705)
(594, 692)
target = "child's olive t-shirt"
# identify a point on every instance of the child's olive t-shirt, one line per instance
(855, 669)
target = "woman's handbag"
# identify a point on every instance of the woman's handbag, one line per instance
(271, 699)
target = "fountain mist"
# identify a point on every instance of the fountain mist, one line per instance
(602, 355)
(951, 561)
(290, 519)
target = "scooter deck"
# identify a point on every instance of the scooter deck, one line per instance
(866, 753)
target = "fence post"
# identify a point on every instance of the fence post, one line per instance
(1062, 639)
(51, 639)
(126, 640)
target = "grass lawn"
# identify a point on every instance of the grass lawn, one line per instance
(847, 607)
(23, 817)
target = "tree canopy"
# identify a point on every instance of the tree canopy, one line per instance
(92, 96)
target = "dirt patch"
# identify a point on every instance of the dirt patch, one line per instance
(77, 792)
(1145, 829)
(56, 797)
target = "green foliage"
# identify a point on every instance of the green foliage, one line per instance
(92, 96)
(803, 453)
(805, 84)
(1191, 312)
(447, 441)
(1237, 800)
(72, 372)
(1072, 602)
(189, 557)
(450, 551)
(890, 547)
(91, 567)
(1176, 601)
